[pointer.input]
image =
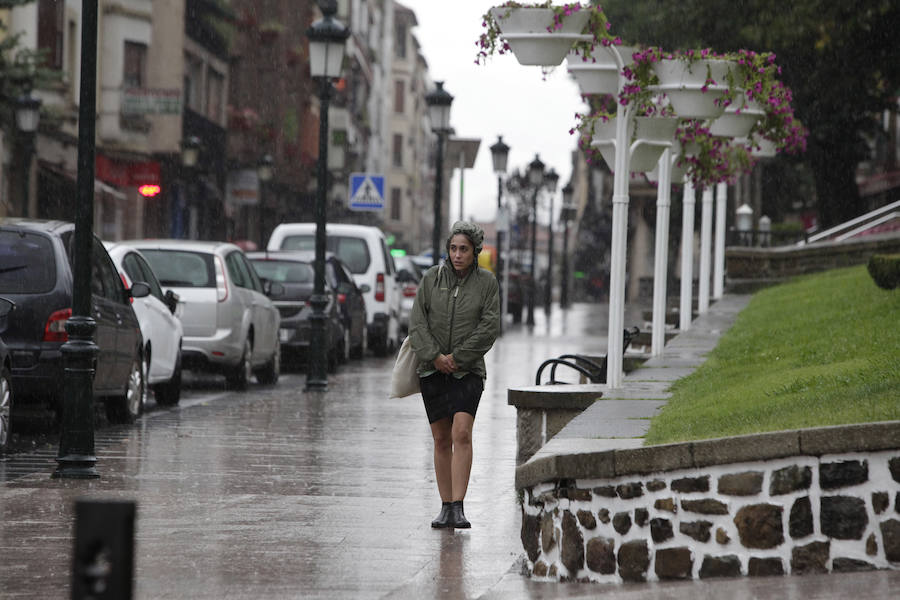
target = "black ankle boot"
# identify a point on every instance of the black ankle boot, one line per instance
(443, 519)
(457, 518)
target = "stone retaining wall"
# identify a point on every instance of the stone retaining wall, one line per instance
(710, 516)
(789, 261)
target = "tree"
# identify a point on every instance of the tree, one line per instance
(840, 59)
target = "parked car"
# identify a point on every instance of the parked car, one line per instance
(364, 250)
(346, 311)
(36, 274)
(160, 326)
(6, 393)
(230, 324)
(408, 276)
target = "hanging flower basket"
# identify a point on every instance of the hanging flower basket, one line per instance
(696, 87)
(531, 35)
(599, 75)
(738, 119)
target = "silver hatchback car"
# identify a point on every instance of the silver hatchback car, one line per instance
(230, 324)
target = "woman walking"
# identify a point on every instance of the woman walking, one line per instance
(454, 322)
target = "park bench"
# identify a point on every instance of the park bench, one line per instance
(590, 369)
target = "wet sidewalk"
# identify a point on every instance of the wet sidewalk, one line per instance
(277, 493)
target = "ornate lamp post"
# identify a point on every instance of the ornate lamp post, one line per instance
(438, 101)
(264, 172)
(327, 41)
(28, 114)
(567, 214)
(536, 180)
(550, 181)
(500, 154)
(75, 458)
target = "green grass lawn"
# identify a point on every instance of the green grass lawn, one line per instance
(821, 350)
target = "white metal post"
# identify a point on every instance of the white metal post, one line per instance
(661, 258)
(614, 373)
(719, 263)
(705, 250)
(687, 256)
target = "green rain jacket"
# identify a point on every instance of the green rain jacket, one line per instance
(455, 316)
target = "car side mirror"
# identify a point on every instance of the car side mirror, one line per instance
(364, 288)
(171, 300)
(139, 289)
(272, 289)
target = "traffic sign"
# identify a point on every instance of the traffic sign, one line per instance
(366, 191)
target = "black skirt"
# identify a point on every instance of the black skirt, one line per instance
(445, 395)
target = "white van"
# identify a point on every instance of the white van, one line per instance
(364, 250)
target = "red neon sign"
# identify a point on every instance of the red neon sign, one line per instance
(148, 191)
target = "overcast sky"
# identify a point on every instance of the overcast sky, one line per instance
(533, 114)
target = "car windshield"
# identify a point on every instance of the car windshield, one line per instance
(181, 268)
(284, 271)
(27, 265)
(353, 251)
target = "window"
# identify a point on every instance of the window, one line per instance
(28, 266)
(51, 16)
(398, 150)
(193, 77)
(105, 280)
(215, 91)
(396, 194)
(399, 96)
(401, 40)
(135, 65)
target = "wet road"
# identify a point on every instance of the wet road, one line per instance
(278, 493)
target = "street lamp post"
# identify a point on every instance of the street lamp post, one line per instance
(568, 208)
(75, 458)
(190, 158)
(500, 154)
(327, 41)
(535, 179)
(264, 172)
(28, 114)
(550, 181)
(438, 101)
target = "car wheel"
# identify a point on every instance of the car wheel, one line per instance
(5, 409)
(360, 350)
(127, 408)
(345, 347)
(238, 378)
(268, 375)
(169, 393)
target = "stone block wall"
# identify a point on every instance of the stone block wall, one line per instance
(803, 514)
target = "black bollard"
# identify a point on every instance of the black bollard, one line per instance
(103, 562)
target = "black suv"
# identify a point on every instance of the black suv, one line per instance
(36, 274)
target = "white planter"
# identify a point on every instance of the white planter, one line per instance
(676, 174)
(660, 130)
(685, 85)
(737, 120)
(526, 31)
(645, 156)
(599, 74)
(675, 72)
(695, 103)
(762, 148)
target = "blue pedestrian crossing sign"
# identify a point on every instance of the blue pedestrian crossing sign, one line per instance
(366, 191)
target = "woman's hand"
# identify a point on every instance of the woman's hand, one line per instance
(445, 363)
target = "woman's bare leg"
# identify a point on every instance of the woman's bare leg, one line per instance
(443, 454)
(461, 464)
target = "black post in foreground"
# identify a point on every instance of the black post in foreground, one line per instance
(76, 437)
(103, 560)
(327, 40)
